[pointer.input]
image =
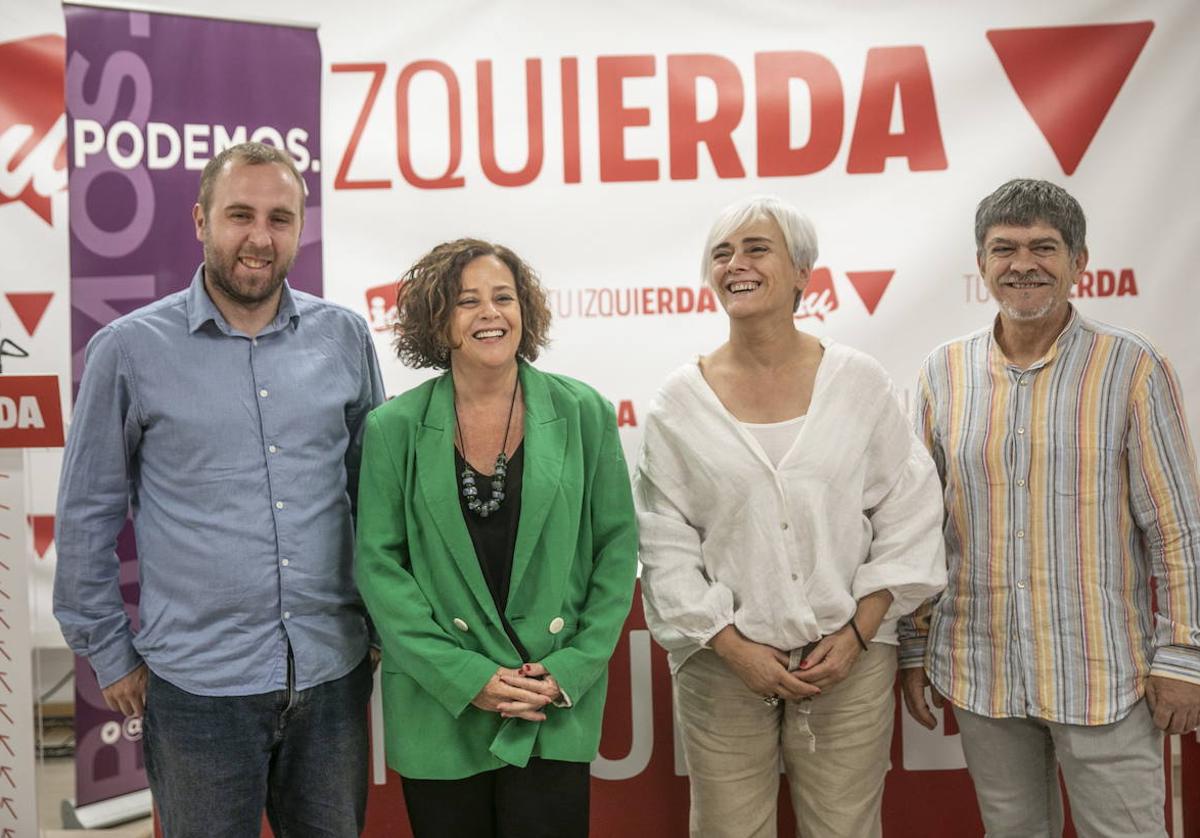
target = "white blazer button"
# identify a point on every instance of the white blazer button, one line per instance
(556, 625)
(460, 624)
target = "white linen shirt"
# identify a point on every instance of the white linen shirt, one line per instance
(784, 553)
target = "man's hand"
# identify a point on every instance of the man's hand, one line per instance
(128, 695)
(500, 696)
(1174, 704)
(831, 660)
(763, 669)
(913, 683)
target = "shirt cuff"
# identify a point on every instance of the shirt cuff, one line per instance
(1181, 663)
(911, 653)
(563, 700)
(706, 643)
(112, 656)
(113, 669)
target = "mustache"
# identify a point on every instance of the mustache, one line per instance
(1028, 276)
(266, 253)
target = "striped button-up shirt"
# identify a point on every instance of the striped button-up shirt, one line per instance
(1068, 485)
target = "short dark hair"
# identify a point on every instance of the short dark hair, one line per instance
(429, 290)
(1024, 202)
(249, 154)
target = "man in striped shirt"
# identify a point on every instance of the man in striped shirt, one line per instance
(1069, 482)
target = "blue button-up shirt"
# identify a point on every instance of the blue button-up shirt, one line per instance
(238, 458)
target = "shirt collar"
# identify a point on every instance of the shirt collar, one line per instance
(201, 309)
(1074, 324)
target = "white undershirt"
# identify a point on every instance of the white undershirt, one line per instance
(776, 438)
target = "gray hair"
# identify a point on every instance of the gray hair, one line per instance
(1024, 202)
(799, 237)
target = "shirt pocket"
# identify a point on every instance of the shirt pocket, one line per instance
(1087, 474)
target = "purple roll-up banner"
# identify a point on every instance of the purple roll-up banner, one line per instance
(150, 99)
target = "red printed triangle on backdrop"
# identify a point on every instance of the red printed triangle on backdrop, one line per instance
(870, 286)
(1069, 76)
(43, 533)
(30, 307)
(949, 723)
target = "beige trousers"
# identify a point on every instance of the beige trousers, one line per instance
(834, 749)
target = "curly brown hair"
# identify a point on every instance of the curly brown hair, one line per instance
(428, 292)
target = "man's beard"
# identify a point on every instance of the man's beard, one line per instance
(1015, 313)
(220, 272)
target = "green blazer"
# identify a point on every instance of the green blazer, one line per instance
(572, 577)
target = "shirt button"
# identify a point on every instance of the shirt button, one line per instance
(460, 624)
(1024, 381)
(556, 625)
(272, 448)
(284, 563)
(279, 504)
(1020, 430)
(795, 577)
(254, 341)
(1021, 483)
(1020, 533)
(287, 615)
(784, 525)
(1021, 584)
(263, 392)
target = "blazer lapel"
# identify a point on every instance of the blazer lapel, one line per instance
(545, 450)
(437, 477)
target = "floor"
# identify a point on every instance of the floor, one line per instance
(56, 783)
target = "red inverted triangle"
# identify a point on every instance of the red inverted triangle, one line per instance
(1068, 77)
(870, 286)
(29, 308)
(43, 533)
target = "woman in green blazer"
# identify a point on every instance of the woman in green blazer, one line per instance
(496, 554)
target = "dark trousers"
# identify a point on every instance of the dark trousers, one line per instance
(215, 762)
(545, 799)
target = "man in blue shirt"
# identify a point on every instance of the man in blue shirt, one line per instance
(227, 419)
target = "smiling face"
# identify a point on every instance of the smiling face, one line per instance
(485, 327)
(251, 231)
(752, 272)
(1030, 271)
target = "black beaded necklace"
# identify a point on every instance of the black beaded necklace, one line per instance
(469, 490)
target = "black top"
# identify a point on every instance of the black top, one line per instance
(495, 537)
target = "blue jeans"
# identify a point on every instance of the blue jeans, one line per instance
(215, 762)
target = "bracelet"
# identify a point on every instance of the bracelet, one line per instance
(858, 634)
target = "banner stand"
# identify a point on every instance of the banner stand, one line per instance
(19, 796)
(30, 417)
(106, 813)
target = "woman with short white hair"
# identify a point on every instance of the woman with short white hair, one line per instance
(788, 517)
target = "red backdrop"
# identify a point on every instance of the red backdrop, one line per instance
(654, 800)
